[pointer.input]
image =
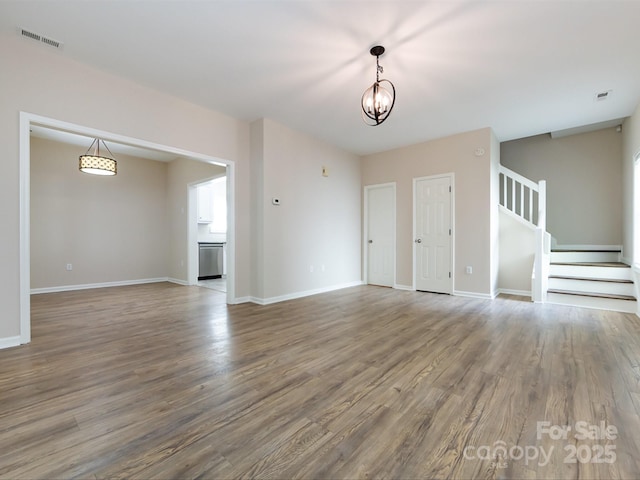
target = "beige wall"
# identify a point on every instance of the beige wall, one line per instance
(35, 80)
(38, 81)
(133, 226)
(631, 148)
(257, 207)
(181, 173)
(583, 174)
(109, 228)
(474, 228)
(317, 223)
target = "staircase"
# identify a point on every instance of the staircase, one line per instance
(582, 277)
(592, 279)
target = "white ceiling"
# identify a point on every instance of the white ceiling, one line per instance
(520, 67)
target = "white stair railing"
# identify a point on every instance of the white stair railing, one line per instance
(528, 200)
(523, 197)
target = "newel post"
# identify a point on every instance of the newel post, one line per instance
(542, 205)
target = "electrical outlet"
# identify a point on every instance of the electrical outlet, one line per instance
(69, 267)
(469, 270)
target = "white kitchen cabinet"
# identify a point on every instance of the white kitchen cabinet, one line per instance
(205, 203)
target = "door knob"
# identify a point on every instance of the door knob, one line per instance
(418, 240)
(370, 241)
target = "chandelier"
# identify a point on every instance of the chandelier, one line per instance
(96, 164)
(379, 98)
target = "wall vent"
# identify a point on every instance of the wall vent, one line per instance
(600, 96)
(39, 38)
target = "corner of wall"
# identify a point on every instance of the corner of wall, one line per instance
(256, 156)
(630, 148)
(494, 215)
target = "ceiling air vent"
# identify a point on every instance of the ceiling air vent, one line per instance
(600, 96)
(27, 33)
(40, 38)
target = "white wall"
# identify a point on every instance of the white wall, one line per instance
(111, 229)
(475, 232)
(583, 174)
(33, 79)
(517, 254)
(317, 224)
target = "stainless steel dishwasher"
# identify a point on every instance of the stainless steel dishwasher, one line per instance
(210, 260)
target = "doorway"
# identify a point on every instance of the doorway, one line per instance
(433, 233)
(380, 234)
(26, 121)
(208, 218)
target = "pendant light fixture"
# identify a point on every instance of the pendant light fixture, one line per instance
(379, 98)
(96, 164)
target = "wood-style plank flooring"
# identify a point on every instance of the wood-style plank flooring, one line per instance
(162, 381)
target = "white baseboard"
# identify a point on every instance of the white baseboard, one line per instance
(306, 293)
(68, 288)
(239, 300)
(458, 293)
(484, 296)
(9, 342)
(178, 281)
(510, 291)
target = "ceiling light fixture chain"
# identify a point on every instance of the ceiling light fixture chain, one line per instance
(97, 149)
(378, 100)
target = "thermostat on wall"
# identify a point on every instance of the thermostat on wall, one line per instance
(275, 201)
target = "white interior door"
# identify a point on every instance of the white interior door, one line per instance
(380, 234)
(433, 234)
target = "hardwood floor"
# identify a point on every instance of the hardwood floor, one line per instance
(165, 381)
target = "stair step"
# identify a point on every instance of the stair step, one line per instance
(601, 271)
(593, 294)
(584, 256)
(586, 250)
(628, 305)
(594, 264)
(591, 279)
(590, 286)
